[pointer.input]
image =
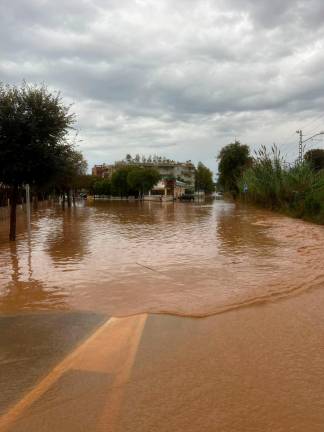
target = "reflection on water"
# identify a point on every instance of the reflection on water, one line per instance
(67, 242)
(238, 231)
(23, 291)
(130, 257)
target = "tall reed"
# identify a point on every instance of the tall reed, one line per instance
(297, 190)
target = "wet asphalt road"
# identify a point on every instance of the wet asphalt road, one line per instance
(32, 344)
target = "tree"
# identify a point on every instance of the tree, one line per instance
(102, 187)
(316, 158)
(33, 127)
(72, 166)
(204, 179)
(85, 182)
(142, 179)
(119, 184)
(233, 160)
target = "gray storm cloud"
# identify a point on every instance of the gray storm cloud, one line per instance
(182, 80)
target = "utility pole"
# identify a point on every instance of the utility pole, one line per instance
(301, 143)
(300, 146)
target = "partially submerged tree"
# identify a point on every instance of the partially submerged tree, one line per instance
(143, 179)
(119, 183)
(204, 179)
(33, 126)
(133, 181)
(72, 167)
(233, 160)
(85, 182)
(102, 187)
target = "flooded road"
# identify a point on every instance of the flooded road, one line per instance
(126, 258)
(253, 362)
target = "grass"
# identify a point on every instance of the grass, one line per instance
(271, 183)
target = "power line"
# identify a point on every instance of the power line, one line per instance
(313, 121)
(302, 145)
(317, 126)
(288, 147)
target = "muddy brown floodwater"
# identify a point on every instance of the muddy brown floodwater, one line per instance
(127, 258)
(254, 362)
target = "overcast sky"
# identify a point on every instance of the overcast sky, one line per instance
(180, 78)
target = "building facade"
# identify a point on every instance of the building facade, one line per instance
(167, 190)
(181, 171)
(103, 171)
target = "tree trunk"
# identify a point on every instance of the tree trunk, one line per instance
(69, 198)
(13, 212)
(35, 199)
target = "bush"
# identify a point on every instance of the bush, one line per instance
(298, 190)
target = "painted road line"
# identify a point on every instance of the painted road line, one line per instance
(17, 410)
(128, 343)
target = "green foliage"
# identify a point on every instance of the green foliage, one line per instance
(264, 178)
(316, 158)
(204, 179)
(102, 187)
(85, 182)
(142, 179)
(33, 127)
(71, 167)
(119, 183)
(298, 190)
(133, 181)
(233, 160)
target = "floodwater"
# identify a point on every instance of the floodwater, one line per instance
(252, 363)
(125, 258)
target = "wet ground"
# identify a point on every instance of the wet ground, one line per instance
(254, 363)
(31, 344)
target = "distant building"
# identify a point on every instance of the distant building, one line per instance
(103, 171)
(168, 169)
(182, 171)
(167, 190)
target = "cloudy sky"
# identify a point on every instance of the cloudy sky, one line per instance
(180, 78)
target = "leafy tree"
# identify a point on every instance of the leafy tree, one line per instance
(102, 187)
(73, 165)
(143, 179)
(233, 160)
(204, 179)
(119, 183)
(316, 158)
(33, 127)
(86, 182)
